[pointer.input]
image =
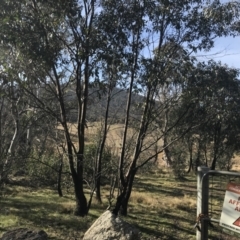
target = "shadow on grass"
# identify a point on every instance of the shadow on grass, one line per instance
(166, 186)
(39, 212)
(165, 190)
(169, 226)
(46, 210)
(166, 231)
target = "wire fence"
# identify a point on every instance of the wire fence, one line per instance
(217, 190)
(212, 187)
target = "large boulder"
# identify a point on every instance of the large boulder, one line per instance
(24, 234)
(110, 227)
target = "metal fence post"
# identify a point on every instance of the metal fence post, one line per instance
(202, 202)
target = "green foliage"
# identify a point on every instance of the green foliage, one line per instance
(180, 164)
(210, 103)
(49, 46)
(42, 170)
(109, 163)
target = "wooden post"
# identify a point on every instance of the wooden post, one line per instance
(202, 202)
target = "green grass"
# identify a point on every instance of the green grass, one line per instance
(160, 206)
(164, 207)
(41, 209)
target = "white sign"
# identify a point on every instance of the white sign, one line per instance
(230, 217)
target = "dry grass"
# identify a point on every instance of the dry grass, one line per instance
(43, 209)
(114, 137)
(114, 133)
(160, 206)
(164, 207)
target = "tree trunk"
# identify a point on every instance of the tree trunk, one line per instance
(216, 144)
(167, 155)
(59, 187)
(81, 201)
(190, 165)
(213, 166)
(124, 205)
(98, 184)
(123, 199)
(100, 156)
(101, 150)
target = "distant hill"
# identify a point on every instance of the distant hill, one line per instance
(97, 105)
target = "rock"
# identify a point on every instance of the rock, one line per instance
(110, 227)
(24, 234)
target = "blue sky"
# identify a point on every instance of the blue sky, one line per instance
(226, 50)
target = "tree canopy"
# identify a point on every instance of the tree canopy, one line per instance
(50, 48)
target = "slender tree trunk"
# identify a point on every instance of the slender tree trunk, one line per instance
(98, 180)
(190, 165)
(166, 150)
(111, 191)
(197, 161)
(101, 150)
(16, 134)
(59, 187)
(216, 144)
(190, 148)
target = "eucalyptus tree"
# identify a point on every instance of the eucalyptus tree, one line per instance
(107, 86)
(216, 88)
(58, 46)
(55, 44)
(6, 133)
(15, 119)
(211, 93)
(191, 24)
